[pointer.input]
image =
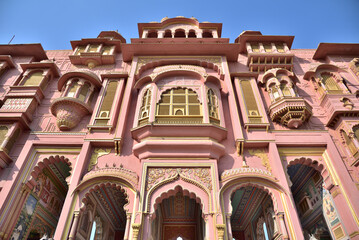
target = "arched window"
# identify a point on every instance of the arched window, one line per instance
(285, 89)
(274, 91)
(83, 93)
(179, 102)
(145, 107)
(152, 34)
(213, 107)
(168, 34)
(180, 33)
(73, 88)
(33, 79)
(192, 34)
(207, 34)
(349, 142)
(329, 82)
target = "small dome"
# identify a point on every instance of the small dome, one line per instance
(164, 19)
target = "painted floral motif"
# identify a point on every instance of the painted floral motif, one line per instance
(261, 153)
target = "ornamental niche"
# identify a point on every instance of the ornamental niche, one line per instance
(77, 91)
(286, 108)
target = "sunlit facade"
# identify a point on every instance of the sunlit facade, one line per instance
(179, 135)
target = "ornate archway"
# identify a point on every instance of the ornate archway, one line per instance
(315, 205)
(107, 196)
(178, 214)
(41, 199)
(249, 200)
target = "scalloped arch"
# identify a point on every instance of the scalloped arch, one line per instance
(276, 72)
(259, 186)
(89, 76)
(46, 162)
(86, 196)
(308, 162)
(329, 67)
(173, 192)
(172, 183)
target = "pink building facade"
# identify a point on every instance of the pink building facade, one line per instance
(179, 134)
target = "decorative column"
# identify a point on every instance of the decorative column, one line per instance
(135, 230)
(220, 231)
(80, 83)
(282, 226)
(160, 34)
(74, 225)
(128, 224)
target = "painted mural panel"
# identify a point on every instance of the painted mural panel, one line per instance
(25, 218)
(331, 216)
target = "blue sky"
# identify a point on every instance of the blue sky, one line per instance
(55, 23)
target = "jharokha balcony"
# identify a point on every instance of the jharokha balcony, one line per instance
(77, 91)
(291, 112)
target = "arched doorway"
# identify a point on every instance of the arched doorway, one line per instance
(309, 193)
(43, 198)
(103, 215)
(178, 217)
(252, 214)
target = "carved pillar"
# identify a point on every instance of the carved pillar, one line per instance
(81, 83)
(128, 224)
(282, 226)
(135, 230)
(89, 93)
(199, 34)
(68, 84)
(220, 231)
(74, 225)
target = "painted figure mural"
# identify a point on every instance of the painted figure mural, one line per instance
(179, 135)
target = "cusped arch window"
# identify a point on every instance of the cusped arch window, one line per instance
(180, 33)
(152, 34)
(34, 78)
(180, 103)
(192, 34)
(207, 34)
(329, 83)
(168, 34)
(351, 140)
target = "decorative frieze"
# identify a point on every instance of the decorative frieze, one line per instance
(157, 175)
(236, 172)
